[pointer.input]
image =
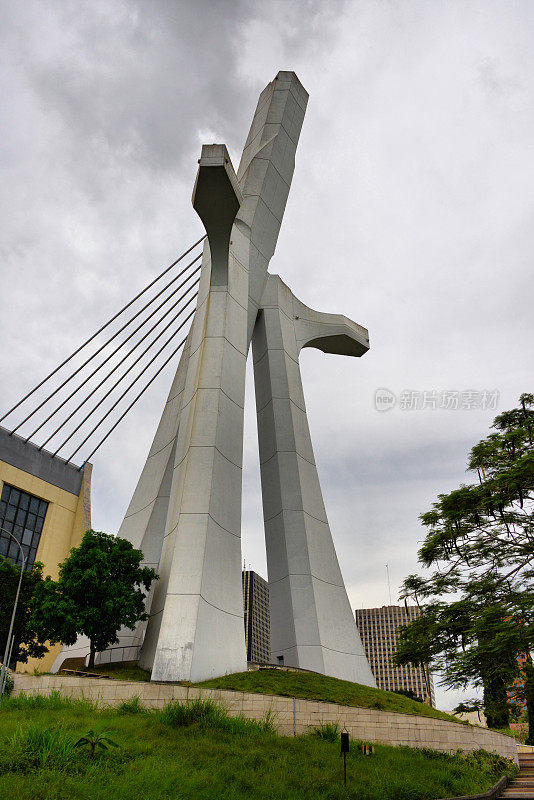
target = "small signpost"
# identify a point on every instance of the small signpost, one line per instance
(344, 750)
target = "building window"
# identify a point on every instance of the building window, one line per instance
(23, 515)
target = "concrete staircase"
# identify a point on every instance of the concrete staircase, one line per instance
(523, 786)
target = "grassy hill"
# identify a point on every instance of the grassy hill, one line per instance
(311, 686)
(305, 685)
(198, 752)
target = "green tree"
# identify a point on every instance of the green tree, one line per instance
(28, 644)
(480, 542)
(101, 588)
(473, 640)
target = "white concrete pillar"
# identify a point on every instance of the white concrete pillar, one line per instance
(312, 624)
(196, 616)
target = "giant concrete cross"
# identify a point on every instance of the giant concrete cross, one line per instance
(185, 513)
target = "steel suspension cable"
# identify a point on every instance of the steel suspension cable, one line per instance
(116, 403)
(91, 338)
(134, 401)
(137, 360)
(67, 380)
(110, 356)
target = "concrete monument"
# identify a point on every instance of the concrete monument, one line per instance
(185, 513)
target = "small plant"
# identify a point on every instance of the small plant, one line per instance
(131, 706)
(268, 723)
(94, 740)
(327, 731)
(9, 685)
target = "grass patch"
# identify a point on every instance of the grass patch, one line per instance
(209, 715)
(54, 701)
(194, 752)
(131, 706)
(120, 672)
(328, 731)
(310, 686)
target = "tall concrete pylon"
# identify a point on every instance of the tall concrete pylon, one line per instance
(191, 510)
(312, 623)
(185, 513)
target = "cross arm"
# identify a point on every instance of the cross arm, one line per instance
(331, 333)
(217, 199)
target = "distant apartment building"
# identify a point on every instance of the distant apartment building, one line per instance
(516, 692)
(257, 619)
(379, 631)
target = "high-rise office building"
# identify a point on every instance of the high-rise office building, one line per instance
(379, 631)
(257, 620)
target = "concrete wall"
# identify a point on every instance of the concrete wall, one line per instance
(290, 715)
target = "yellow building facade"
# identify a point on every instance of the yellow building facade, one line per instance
(46, 505)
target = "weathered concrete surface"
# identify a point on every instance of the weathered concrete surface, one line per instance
(196, 619)
(189, 506)
(312, 624)
(290, 715)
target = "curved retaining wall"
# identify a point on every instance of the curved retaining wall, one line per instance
(291, 715)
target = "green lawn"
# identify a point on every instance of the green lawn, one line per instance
(307, 685)
(199, 753)
(311, 686)
(119, 672)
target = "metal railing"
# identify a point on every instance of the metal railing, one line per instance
(133, 654)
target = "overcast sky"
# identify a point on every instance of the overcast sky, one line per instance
(411, 211)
